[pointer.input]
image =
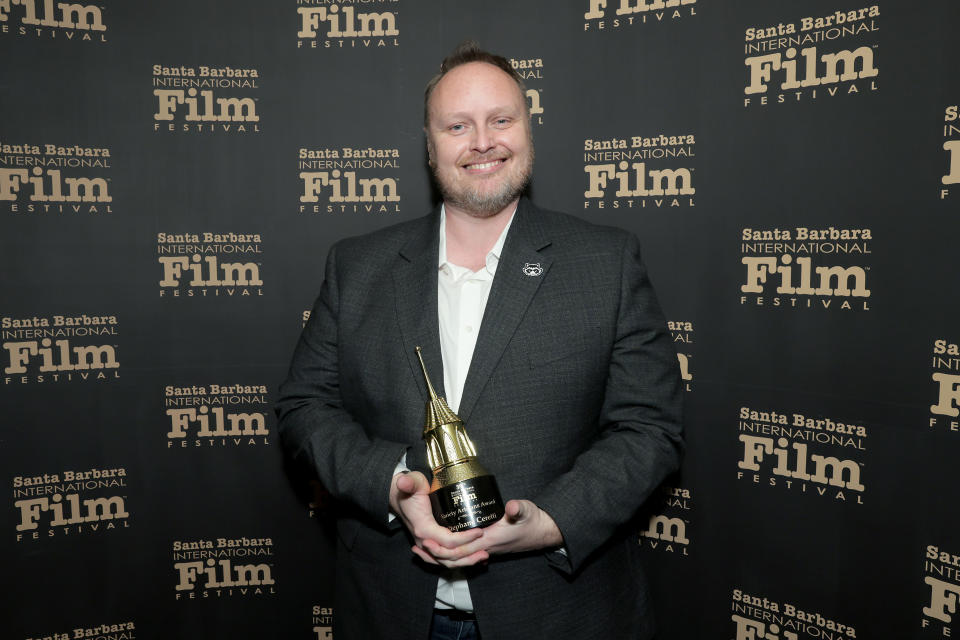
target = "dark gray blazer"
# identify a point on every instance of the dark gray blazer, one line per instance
(572, 399)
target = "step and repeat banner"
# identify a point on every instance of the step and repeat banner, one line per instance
(173, 174)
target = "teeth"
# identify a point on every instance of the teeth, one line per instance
(485, 165)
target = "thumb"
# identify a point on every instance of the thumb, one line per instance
(410, 483)
(516, 510)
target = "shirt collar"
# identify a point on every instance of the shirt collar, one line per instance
(493, 256)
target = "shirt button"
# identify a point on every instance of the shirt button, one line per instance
(469, 329)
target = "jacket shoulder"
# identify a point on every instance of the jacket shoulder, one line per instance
(572, 232)
(383, 243)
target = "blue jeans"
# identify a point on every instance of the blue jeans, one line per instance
(446, 629)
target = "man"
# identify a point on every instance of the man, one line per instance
(552, 350)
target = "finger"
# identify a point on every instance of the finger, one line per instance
(495, 538)
(423, 555)
(452, 539)
(469, 561)
(472, 559)
(441, 553)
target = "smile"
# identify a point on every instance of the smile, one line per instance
(484, 166)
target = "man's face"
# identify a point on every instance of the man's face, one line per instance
(479, 139)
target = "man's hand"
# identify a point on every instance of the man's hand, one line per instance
(434, 544)
(524, 527)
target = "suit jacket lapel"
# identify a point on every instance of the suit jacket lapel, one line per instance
(415, 287)
(512, 291)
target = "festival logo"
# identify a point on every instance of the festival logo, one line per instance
(761, 618)
(530, 71)
(216, 415)
(613, 14)
(70, 503)
(59, 348)
(339, 24)
(639, 172)
(942, 575)
(946, 377)
(349, 180)
(55, 179)
(205, 99)
(951, 144)
(806, 268)
(798, 454)
(196, 264)
(117, 631)
(682, 334)
(813, 58)
(53, 20)
(666, 530)
(322, 620)
(223, 567)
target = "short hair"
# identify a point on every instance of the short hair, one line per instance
(466, 52)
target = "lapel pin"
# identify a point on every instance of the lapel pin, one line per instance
(532, 269)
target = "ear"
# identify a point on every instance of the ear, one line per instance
(431, 149)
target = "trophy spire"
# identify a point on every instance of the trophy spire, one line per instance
(438, 411)
(426, 376)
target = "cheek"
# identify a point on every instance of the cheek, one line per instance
(523, 142)
(447, 156)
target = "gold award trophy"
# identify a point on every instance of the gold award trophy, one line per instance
(463, 494)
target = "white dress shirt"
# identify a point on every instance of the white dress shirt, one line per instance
(461, 299)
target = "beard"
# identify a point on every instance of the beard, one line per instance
(470, 197)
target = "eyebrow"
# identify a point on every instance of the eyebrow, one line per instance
(506, 109)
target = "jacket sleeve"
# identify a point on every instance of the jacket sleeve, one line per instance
(314, 426)
(641, 435)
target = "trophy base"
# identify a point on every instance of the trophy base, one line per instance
(468, 504)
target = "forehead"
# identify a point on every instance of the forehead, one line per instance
(475, 86)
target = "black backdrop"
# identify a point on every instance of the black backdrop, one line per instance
(148, 496)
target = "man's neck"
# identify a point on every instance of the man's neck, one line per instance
(470, 239)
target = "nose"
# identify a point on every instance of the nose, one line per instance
(483, 140)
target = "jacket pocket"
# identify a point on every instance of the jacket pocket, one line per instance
(547, 353)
